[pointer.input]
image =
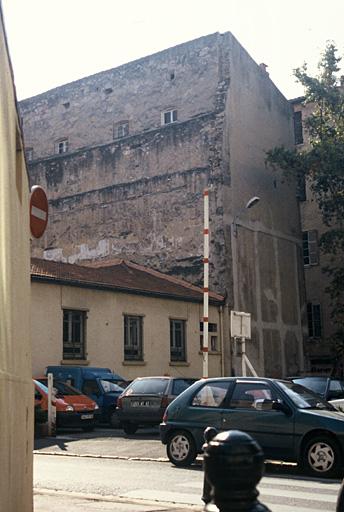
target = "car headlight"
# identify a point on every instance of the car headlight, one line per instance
(69, 408)
(96, 407)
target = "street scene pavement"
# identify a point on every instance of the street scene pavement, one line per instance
(108, 470)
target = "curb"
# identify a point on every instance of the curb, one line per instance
(166, 505)
(94, 456)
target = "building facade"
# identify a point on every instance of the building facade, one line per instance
(318, 351)
(16, 388)
(126, 154)
(124, 316)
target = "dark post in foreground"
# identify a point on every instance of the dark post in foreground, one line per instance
(233, 465)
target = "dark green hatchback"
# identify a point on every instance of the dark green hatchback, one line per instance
(290, 422)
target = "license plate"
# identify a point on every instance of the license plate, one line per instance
(87, 416)
(141, 403)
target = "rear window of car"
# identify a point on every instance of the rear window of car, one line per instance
(180, 385)
(317, 385)
(148, 386)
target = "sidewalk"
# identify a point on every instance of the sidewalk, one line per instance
(56, 501)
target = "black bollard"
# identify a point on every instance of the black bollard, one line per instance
(233, 464)
(340, 501)
(209, 434)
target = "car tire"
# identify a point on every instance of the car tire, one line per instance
(181, 448)
(130, 428)
(322, 457)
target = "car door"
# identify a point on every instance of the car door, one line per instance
(206, 409)
(273, 429)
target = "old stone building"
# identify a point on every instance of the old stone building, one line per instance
(126, 154)
(318, 350)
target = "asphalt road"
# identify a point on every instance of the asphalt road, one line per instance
(109, 463)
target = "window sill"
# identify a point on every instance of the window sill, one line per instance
(211, 352)
(75, 362)
(179, 363)
(134, 363)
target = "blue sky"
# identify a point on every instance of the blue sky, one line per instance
(53, 42)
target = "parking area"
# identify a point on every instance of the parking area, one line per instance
(105, 442)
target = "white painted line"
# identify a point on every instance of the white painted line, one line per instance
(287, 493)
(37, 212)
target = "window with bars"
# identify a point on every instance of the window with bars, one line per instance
(310, 248)
(74, 334)
(29, 154)
(212, 336)
(169, 116)
(133, 338)
(177, 340)
(314, 320)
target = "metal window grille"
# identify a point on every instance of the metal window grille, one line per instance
(74, 334)
(133, 338)
(177, 340)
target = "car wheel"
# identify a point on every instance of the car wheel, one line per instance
(181, 449)
(130, 428)
(322, 457)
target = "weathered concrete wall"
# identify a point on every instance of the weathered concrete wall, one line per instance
(105, 331)
(266, 271)
(85, 111)
(16, 388)
(141, 196)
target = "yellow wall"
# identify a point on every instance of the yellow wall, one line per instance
(16, 391)
(105, 330)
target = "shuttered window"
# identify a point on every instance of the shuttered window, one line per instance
(310, 248)
(298, 128)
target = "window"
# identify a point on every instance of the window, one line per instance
(74, 334)
(212, 337)
(29, 154)
(211, 395)
(90, 387)
(61, 146)
(298, 128)
(314, 320)
(169, 116)
(133, 339)
(177, 340)
(310, 247)
(121, 130)
(246, 393)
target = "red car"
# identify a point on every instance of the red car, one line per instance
(73, 409)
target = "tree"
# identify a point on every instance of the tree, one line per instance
(322, 165)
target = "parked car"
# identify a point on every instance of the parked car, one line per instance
(329, 388)
(73, 409)
(289, 422)
(144, 401)
(100, 384)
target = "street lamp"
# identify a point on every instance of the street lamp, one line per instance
(250, 203)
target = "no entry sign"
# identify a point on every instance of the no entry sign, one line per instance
(38, 211)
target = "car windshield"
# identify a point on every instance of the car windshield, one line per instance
(61, 388)
(148, 386)
(180, 385)
(318, 385)
(304, 398)
(110, 387)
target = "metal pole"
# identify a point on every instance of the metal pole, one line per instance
(205, 346)
(50, 405)
(243, 354)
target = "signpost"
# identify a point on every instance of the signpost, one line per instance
(38, 211)
(241, 331)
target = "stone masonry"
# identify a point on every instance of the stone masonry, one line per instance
(136, 192)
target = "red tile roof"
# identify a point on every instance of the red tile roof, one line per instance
(120, 275)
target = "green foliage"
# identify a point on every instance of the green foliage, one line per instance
(322, 165)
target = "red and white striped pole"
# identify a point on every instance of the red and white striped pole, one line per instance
(206, 284)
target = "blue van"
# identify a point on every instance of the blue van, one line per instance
(100, 384)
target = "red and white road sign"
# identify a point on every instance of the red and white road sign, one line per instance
(38, 211)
